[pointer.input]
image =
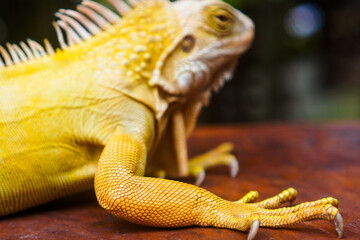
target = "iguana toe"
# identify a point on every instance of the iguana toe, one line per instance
(250, 197)
(219, 156)
(246, 215)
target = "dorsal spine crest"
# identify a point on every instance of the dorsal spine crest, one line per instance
(90, 20)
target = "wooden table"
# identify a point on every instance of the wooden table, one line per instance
(317, 160)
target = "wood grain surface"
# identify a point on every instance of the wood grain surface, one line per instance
(317, 160)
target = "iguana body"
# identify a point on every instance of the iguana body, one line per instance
(120, 104)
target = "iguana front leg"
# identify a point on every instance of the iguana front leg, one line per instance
(121, 189)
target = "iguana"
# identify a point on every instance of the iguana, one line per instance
(116, 103)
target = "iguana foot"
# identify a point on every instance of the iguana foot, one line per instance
(247, 215)
(216, 157)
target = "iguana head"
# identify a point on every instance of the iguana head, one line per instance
(204, 55)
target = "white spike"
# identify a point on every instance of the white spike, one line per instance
(38, 47)
(6, 56)
(33, 49)
(60, 36)
(75, 25)
(206, 98)
(49, 49)
(94, 16)
(90, 26)
(62, 25)
(215, 87)
(20, 53)
(71, 34)
(133, 3)
(104, 12)
(120, 6)
(27, 50)
(13, 54)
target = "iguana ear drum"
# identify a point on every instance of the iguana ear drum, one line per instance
(188, 44)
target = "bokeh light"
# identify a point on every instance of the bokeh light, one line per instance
(305, 20)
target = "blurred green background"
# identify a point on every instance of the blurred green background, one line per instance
(304, 65)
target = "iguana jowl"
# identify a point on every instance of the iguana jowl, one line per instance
(118, 102)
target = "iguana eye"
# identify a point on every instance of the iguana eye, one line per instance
(188, 44)
(220, 19)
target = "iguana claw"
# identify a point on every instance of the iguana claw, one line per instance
(200, 178)
(253, 229)
(234, 168)
(339, 224)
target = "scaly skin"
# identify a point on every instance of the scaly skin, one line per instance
(119, 106)
(166, 203)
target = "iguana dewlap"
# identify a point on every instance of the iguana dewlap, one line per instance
(117, 102)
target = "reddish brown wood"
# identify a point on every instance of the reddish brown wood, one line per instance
(317, 160)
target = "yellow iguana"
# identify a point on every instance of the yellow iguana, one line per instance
(117, 102)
